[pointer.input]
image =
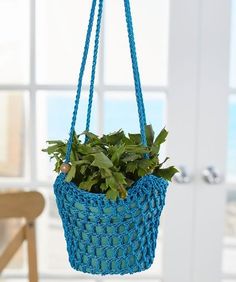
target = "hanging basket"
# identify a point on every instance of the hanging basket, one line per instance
(104, 236)
(107, 237)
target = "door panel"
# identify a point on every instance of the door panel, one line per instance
(211, 138)
(198, 106)
(181, 103)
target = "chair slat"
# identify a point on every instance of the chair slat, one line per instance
(21, 204)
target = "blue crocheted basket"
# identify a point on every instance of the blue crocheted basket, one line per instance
(107, 237)
(103, 236)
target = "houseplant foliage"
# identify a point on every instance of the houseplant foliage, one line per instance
(112, 163)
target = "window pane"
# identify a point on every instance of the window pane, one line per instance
(61, 29)
(150, 20)
(14, 41)
(231, 164)
(12, 129)
(233, 46)
(121, 111)
(54, 113)
(229, 251)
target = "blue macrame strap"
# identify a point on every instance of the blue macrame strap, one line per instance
(137, 82)
(138, 88)
(92, 79)
(79, 86)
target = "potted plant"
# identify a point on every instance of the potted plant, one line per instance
(106, 176)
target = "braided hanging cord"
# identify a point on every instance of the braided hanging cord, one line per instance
(95, 54)
(137, 82)
(78, 92)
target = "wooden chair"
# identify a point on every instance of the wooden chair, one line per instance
(27, 205)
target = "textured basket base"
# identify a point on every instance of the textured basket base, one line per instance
(112, 269)
(107, 237)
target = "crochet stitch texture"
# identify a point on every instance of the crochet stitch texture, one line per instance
(111, 237)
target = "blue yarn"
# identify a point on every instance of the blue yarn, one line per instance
(79, 86)
(137, 82)
(95, 53)
(107, 237)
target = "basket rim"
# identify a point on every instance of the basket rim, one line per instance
(100, 196)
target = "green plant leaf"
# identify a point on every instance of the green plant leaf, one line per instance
(161, 138)
(126, 141)
(87, 185)
(135, 138)
(89, 158)
(62, 151)
(73, 155)
(58, 164)
(114, 138)
(165, 160)
(130, 157)
(138, 149)
(141, 172)
(131, 167)
(112, 194)
(57, 142)
(71, 174)
(166, 173)
(111, 183)
(90, 135)
(51, 149)
(129, 181)
(122, 192)
(154, 150)
(105, 172)
(85, 149)
(101, 161)
(103, 187)
(83, 169)
(149, 134)
(118, 151)
(145, 163)
(81, 162)
(76, 140)
(119, 177)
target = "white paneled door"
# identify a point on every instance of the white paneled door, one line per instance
(198, 122)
